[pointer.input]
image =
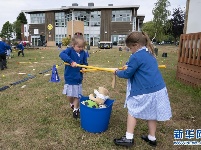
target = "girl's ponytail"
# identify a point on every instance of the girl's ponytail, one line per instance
(148, 43)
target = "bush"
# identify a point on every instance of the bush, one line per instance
(65, 41)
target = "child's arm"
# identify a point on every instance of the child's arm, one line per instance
(64, 55)
(18, 47)
(131, 68)
(6, 47)
(85, 59)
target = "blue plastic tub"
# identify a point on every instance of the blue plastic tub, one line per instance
(95, 120)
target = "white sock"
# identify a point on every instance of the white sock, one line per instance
(151, 138)
(129, 135)
(75, 109)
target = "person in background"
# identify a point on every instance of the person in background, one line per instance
(9, 50)
(24, 43)
(59, 45)
(3, 48)
(20, 48)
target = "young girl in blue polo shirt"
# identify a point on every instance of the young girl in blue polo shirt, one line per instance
(73, 77)
(146, 96)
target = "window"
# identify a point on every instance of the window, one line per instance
(60, 20)
(121, 15)
(92, 17)
(37, 18)
(58, 37)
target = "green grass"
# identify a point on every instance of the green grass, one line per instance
(39, 117)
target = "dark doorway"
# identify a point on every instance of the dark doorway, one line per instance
(91, 41)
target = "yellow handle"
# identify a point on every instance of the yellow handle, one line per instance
(97, 68)
(89, 70)
(111, 69)
(92, 68)
(161, 66)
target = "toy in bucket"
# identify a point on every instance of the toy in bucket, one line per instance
(101, 96)
(99, 100)
(90, 103)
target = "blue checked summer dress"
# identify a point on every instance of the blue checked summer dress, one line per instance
(152, 106)
(72, 90)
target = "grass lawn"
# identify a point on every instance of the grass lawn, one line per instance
(39, 117)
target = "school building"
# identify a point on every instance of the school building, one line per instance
(97, 23)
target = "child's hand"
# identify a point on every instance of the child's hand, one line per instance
(124, 67)
(83, 70)
(73, 64)
(115, 71)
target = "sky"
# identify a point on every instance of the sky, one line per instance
(10, 9)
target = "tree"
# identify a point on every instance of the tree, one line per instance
(22, 18)
(17, 29)
(149, 28)
(177, 23)
(7, 30)
(161, 14)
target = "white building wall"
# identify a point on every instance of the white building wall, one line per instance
(92, 30)
(26, 30)
(194, 13)
(60, 30)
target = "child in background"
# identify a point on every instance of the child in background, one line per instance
(146, 96)
(59, 45)
(73, 77)
(3, 47)
(9, 50)
(20, 48)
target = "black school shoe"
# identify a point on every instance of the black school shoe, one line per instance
(123, 141)
(76, 114)
(146, 139)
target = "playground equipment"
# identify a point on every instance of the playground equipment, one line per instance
(92, 69)
(55, 76)
(189, 55)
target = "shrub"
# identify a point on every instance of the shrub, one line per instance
(65, 41)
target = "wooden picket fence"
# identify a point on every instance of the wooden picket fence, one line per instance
(189, 59)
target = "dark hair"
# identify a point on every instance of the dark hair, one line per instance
(141, 38)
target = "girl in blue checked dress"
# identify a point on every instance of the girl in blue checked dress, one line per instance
(146, 96)
(73, 77)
